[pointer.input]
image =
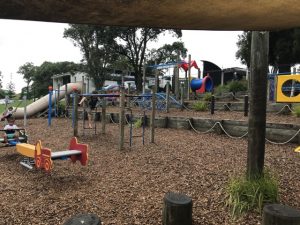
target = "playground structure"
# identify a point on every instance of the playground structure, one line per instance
(43, 103)
(202, 85)
(288, 88)
(145, 101)
(287, 94)
(43, 158)
(122, 118)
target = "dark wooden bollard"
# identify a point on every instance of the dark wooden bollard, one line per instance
(276, 214)
(246, 105)
(83, 219)
(177, 209)
(212, 105)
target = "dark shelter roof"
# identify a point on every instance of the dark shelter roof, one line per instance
(192, 14)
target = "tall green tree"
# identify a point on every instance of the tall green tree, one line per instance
(284, 49)
(132, 43)
(95, 42)
(168, 53)
(11, 88)
(43, 75)
(28, 71)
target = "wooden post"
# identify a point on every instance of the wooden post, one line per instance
(83, 87)
(246, 105)
(66, 98)
(88, 86)
(75, 113)
(177, 209)
(189, 78)
(212, 105)
(276, 214)
(122, 117)
(168, 97)
(182, 96)
(176, 79)
(103, 114)
(185, 82)
(128, 98)
(258, 101)
(57, 100)
(144, 79)
(152, 119)
(25, 110)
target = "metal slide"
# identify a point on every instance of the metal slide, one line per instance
(42, 103)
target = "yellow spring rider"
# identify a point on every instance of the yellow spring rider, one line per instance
(43, 158)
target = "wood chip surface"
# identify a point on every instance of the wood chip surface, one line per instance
(127, 187)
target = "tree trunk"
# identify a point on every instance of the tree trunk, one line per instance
(139, 82)
(258, 101)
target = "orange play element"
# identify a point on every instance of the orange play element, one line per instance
(44, 157)
(83, 148)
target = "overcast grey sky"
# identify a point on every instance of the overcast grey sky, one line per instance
(36, 42)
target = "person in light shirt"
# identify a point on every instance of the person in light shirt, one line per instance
(10, 130)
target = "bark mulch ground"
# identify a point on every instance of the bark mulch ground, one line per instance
(127, 187)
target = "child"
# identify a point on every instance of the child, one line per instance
(10, 130)
(7, 113)
(90, 103)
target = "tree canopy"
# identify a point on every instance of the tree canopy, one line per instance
(96, 43)
(41, 76)
(105, 47)
(28, 71)
(284, 49)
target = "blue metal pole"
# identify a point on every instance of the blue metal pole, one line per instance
(55, 108)
(50, 106)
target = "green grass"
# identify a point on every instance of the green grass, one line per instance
(250, 195)
(296, 111)
(16, 103)
(200, 106)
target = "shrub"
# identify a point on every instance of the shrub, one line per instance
(138, 123)
(200, 106)
(207, 97)
(235, 86)
(220, 89)
(245, 195)
(296, 111)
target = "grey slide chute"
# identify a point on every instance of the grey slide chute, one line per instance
(42, 103)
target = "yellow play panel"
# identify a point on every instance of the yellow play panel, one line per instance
(26, 149)
(280, 96)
